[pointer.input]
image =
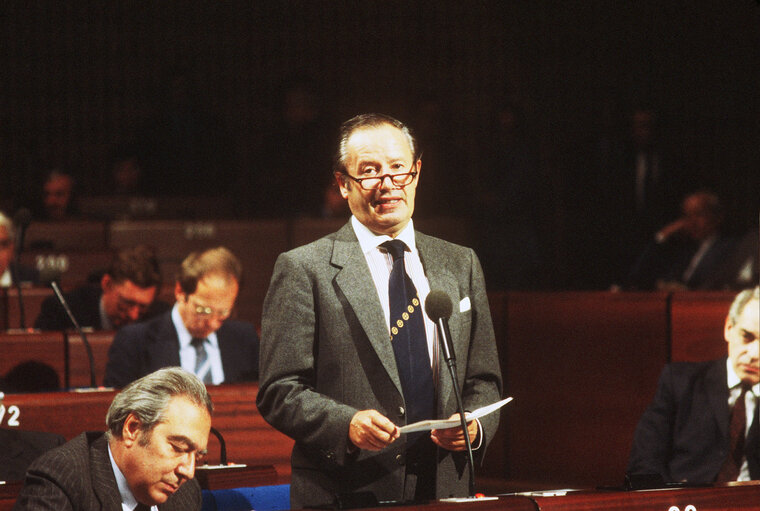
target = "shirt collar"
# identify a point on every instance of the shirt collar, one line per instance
(368, 240)
(6, 280)
(127, 497)
(183, 335)
(104, 321)
(734, 381)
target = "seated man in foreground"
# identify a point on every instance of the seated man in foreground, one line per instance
(702, 426)
(158, 428)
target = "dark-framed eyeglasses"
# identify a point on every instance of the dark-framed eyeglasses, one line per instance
(371, 183)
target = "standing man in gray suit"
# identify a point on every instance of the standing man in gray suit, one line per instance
(158, 428)
(334, 375)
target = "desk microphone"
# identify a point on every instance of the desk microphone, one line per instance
(438, 307)
(21, 221)
(86, 343)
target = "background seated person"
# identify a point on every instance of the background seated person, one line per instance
(685, 434)
(126, 293)
(196, 333)
(9, 271)
(157, 430)
(687, 252)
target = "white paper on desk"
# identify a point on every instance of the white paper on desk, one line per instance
(453, 423)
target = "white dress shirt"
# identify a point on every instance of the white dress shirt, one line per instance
(128, 500)
(187, 353)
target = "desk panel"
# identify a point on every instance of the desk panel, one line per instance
(697, 320)
(68, 235)
(582, 367)
(10, 311)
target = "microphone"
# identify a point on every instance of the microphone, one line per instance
(21, 221)
(438, 307)
(86, 343)
(222, 446)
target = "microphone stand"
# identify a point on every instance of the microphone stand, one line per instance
(15, 273)
(86, 343)
(444, 338)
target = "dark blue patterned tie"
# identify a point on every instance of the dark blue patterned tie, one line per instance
(201, 355)
(408, 338)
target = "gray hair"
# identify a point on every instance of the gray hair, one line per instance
(365, 121)
(741, 301)
(6, 222)
(148, 397)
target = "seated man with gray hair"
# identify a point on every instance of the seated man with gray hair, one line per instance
(158, 430)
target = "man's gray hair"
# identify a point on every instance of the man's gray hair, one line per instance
(741, 301)
(366, 121)
(6, 222)
(148, 397)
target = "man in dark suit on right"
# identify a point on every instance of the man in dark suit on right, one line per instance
(686, 433)
(158, 430)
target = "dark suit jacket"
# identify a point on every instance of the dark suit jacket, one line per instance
(683, 435)
(24, 274)
(326, 354)
(668, 261)
(18, 449)
(78, 476)
(85, 306)
(142, 348)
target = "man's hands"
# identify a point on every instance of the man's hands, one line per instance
(371, 430)
(452, 439)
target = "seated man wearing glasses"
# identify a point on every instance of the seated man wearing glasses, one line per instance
(126, 293)
(196, 334)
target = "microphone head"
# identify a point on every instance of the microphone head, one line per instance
(22, 218)
(438, 305)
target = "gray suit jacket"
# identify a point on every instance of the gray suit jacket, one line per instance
(326, 354)
(78, 476)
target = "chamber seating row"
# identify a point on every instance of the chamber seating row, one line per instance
(582, 367)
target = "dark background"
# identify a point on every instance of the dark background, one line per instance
(197, 86)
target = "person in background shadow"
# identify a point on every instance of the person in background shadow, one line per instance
(125, 294)
(686, 253)
(10, 272)
(158, 430)
(196, 333)
(58, 197)
(685, 434)
(18, 449)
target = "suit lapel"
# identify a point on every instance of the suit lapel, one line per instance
(717, 394)
(163, 344)
(442, 280)
(103, 479)
(356, 284)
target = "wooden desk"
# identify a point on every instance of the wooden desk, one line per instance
(719, 498)
(249, 438)
(10, 312)
(70, 268)
(78, 367)
(582, 367)
(44, 347)
(68, 235)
